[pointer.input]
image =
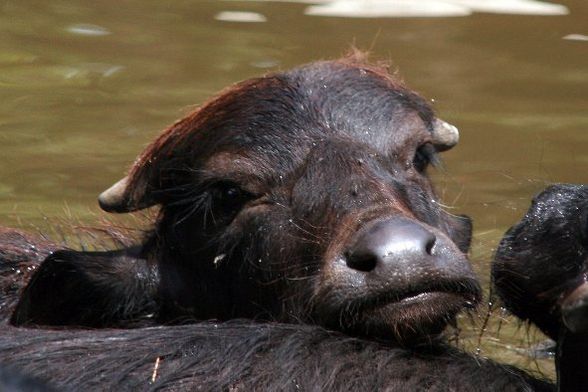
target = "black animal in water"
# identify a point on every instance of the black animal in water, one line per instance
(299, 200)
(540, 272)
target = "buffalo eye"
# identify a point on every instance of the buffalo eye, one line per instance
(229, 197)
(230, 194)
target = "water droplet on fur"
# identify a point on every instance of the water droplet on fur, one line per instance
(218, 259)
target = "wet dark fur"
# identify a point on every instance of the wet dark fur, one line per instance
(544, 256)
(14, 381)
(20, 256)
(244, 356)
(540, 272)
(111, 287)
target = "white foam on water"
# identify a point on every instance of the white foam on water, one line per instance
(88, 29)
(387, 8)
(240, 16)
(576, 37)
(521, 7)
(86, 70)
(265, 63)
(286, 1)
(424, 8)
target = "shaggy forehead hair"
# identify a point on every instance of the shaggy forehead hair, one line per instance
(277, 117)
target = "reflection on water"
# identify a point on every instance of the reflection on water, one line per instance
(576, 37)
(424, 8)
(87, 29)
(85, 86)
(240, 16)
(431, 8)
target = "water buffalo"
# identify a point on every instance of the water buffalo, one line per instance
(540, 274)
(296, 197)
(298, 200)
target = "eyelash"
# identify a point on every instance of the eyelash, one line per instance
(229, 194)
(214, 199)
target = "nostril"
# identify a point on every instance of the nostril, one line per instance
(389, 242)
(430, 244)
(365, 262)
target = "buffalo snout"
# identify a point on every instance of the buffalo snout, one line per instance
(388, 243)
(398, 279)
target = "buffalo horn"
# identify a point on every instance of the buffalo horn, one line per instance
(114, 199)
(445, 135)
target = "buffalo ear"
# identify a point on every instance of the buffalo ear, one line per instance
(164, 171)
(157, 169)
(145, 186)
(460, 231)
(164, 164)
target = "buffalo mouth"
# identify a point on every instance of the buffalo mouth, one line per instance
(406, 317)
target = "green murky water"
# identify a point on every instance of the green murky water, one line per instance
(85, 85)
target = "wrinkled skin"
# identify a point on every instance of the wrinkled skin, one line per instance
(540, 274)
(295, 197)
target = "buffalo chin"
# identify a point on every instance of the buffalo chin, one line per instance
(410, 321)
